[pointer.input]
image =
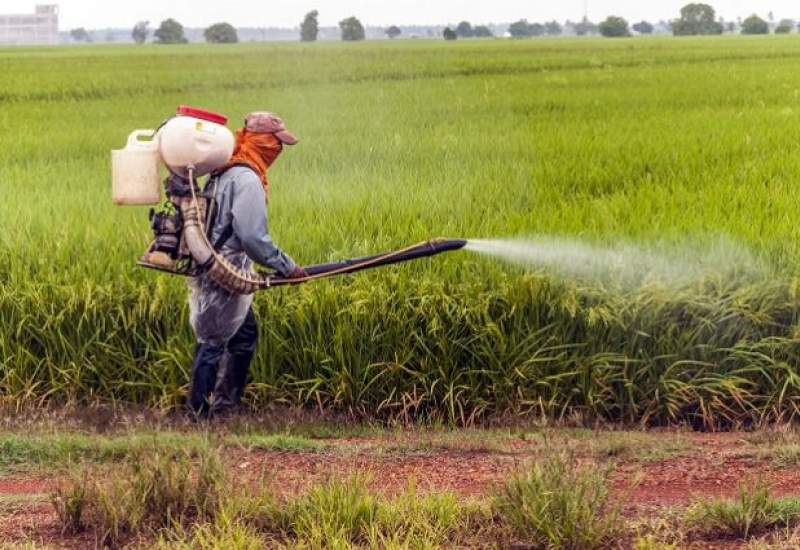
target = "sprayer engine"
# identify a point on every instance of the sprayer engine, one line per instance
(169, 251)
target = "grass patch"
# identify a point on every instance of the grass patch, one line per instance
(637, 446)
(276, 442)
(557, 503)
(154, 490)
(22, 451)
(753, 512)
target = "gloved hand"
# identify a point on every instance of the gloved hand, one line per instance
(297, 273)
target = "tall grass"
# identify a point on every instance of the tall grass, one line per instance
(560, 504)
(635, 140)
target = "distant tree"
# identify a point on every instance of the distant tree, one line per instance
(450, 34)
(643, 27)
(482, 31)
(393, 32)
(520, 29)
(553, 28)
(110, 36)
(170, 32)
(80, 35)
(537, 29)
(309, 28)
(464, 30)
(585, 27)
(755, 25)
(730, 27)
(221, 33)
(784, 27)
(614, 27)
(696, 19)
(141, 31)
(352, 29)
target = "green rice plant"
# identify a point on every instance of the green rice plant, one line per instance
(660, 143)
(752, 513)
(557, 503)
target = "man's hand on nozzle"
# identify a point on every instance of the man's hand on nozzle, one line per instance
(297, 273)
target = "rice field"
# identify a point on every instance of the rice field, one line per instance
(656, 142)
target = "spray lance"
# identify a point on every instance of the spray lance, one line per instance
(191, 145)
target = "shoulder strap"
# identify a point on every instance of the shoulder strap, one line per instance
(212, 209)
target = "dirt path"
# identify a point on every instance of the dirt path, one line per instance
(712, 465)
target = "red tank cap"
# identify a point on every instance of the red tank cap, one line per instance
(202, 114)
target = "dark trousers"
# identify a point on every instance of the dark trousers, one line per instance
(223, 370)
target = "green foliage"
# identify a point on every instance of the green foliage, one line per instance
(221, 33)
(586, 27)
(696, 19)
(553, 28)
(755, 25)
(520, 29)
(459, 338)
(614, 27)
(464, 30)
(140, 32)
(80, 35)
(352, 29)
(482, 31)
(393, 32)
(559, 504)
(170, 32)
(643, 27)
(309, 28)
(752, 513)
(449, 34)
(786, 26)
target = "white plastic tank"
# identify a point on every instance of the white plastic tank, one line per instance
(135, 171)
(195, 138)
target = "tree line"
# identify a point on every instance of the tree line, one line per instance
(694, 19)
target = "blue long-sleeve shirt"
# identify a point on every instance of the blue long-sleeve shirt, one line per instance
(241, 205)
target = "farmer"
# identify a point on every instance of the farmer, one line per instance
(223, 322)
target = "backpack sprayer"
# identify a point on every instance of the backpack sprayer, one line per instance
(191, 145)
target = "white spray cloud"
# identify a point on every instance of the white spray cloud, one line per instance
(628, 264)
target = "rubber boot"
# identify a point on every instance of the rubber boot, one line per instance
(235, 367)
(204, 377)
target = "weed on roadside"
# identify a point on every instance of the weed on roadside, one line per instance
(557, 503)
(753, 512)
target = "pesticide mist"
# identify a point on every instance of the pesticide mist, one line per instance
(627, 264)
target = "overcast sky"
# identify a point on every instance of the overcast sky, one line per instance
(287, 13)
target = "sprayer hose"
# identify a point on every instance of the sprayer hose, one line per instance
(237, 280)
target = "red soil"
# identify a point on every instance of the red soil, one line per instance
(713, 467)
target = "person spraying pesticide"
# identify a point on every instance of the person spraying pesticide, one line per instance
(223, 321)
(217, 234)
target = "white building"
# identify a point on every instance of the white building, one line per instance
(40, 27)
